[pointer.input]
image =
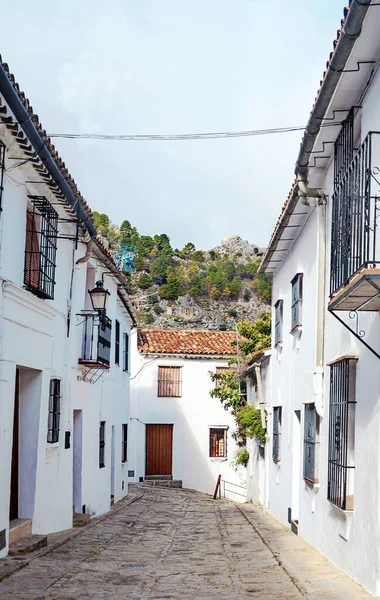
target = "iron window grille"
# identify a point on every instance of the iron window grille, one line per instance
(344, 147)
(218, 442)
(2, 171)
(277, 418)
(169, 382)
(126, 352)
(96, 339)
(341, 467)
(355, 209)
(41, 247)
(296, 301)
(310, 443)
(102, 444)
(54, 411)
(278, 321)
(124, 443)
(117, 343)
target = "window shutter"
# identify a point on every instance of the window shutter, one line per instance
(310, 427)
(32, 254)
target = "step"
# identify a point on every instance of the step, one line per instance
(158, 478)
(31, 543)
(18, 529)
(80, 520)
(167, 483)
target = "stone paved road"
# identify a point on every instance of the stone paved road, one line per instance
(173, 544)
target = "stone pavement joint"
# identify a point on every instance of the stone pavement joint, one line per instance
(179, 544)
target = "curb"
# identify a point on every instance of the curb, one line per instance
(73, 534)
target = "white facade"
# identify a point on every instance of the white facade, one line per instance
(192, 415)
(41, 340)
(303, 361)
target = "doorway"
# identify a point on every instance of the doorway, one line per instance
(77, 460)
(13, 508)
(159, 449)
(296, 475)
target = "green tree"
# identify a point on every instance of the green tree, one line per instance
(160, 269)
(144, 281)
(235, 286)
(144, 245)
(188, 250)
(101, 223)
(172, 289)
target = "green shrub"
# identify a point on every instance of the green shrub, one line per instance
(241, 458)
(144, 281)
(249, 419)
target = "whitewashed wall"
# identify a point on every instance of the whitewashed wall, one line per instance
(33, 338)
(192, 415)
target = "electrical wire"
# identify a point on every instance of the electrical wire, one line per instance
(183, 136)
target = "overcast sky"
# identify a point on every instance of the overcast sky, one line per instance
(175, 66)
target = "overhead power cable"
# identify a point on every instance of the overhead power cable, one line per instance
(182, 136)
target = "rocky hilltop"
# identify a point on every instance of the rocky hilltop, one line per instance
(190, 288)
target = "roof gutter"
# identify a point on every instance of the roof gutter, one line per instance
(350, 32)
(12, 99)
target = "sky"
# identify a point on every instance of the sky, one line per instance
(170, 67)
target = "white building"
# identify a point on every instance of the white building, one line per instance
(62, 429)
(176, 427)
(323, 454)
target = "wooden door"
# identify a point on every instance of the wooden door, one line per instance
(159, 449)
(13, 509)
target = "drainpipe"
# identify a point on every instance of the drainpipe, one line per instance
(12, 99)
(89, 245)
(320, 316)
(351, 31)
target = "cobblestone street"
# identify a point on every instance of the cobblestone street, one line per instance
(181, 544)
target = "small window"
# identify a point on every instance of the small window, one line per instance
(54, 411)
(102, 444)
(126, 352)
(169, 382)
(296, 301)
(40, 247)
(341, 455)
(310, 444)
(277, 416)
(218, 442)
(124, 443)
(117, 343)
(278, 321)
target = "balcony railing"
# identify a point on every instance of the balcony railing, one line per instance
(355, 215)
(96, 339)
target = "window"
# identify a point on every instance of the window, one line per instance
(124, 443)
(54, 411)
(117, 343)
(218, 442)
(310, 443)
(169, 382)
(102, 444)
(125, 352)
(296, 301)
(41, 247)
(277, 415)
(278, 322)
(341, 465)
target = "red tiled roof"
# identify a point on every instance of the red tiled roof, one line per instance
(188, 341)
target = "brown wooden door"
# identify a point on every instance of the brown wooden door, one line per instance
(13, 509)
(159, 449)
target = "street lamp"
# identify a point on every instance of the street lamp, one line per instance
(99, 297)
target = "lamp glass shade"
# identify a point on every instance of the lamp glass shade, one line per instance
(99, 296)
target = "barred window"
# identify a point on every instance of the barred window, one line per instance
(54, 411)
(341, 456)
(40, 247)
(102, 444)
(218, 442)
(117, 342)
(169, 382)
(310, 444)
(278, 321)
(277, 417)
(296, 300)
(124, 443)
(125, 352)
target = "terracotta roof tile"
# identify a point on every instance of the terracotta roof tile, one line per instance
(188, 341)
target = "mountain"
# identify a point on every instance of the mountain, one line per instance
(189, 288)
